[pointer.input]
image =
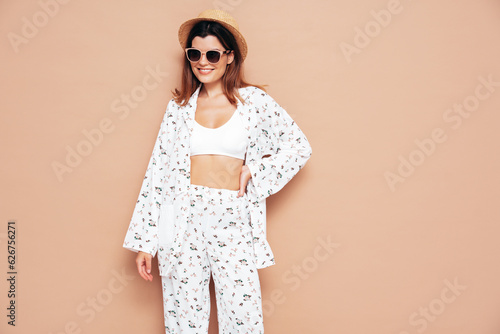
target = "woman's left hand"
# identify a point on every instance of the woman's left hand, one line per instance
(245, 175)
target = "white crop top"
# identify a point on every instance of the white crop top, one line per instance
(230, 139)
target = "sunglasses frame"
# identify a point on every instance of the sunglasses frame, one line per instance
(205, 53)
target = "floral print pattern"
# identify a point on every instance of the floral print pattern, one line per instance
(218, 242)
(277, 150)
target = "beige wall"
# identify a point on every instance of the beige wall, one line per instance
(392, 226)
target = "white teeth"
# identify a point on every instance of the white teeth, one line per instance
(205, 70)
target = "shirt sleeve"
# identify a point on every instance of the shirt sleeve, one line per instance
(142, 233)
(288, 145)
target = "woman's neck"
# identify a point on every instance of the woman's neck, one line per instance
(211, 90)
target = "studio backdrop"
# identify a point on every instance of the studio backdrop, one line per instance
(390, 228)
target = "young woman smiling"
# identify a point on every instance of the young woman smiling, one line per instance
(223, 147)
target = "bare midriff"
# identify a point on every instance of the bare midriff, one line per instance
(216, 171)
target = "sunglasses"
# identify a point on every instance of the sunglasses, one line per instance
(213, 56)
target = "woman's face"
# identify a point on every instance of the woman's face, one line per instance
(207, 72)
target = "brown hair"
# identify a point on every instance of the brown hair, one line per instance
(232, 78)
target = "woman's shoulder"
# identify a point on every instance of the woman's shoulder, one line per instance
(254, 94)
(250, 88)
(173, 106)
(173, 110)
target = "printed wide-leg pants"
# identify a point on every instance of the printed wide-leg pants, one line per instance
(218, 242)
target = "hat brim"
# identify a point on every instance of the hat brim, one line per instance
(186, 27)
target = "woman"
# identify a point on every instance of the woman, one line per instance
(223, 147)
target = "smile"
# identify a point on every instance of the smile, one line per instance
(205, 70)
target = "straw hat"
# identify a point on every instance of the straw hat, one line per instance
(215, 15)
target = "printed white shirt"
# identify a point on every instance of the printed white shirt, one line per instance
(158, 223)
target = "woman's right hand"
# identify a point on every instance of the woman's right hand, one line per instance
(143, 261)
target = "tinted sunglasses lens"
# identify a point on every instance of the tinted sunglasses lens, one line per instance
(213, 56)
(194, 55)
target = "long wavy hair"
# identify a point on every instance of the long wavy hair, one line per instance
(232, 78)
